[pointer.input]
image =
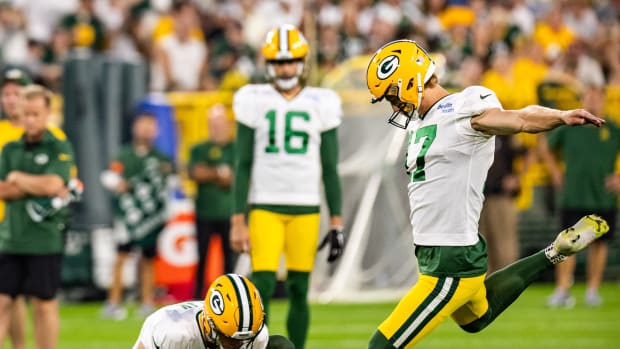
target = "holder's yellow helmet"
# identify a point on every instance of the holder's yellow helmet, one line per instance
(285, 44)
(398, 72)
(234, 312)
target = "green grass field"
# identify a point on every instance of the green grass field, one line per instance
(527, 324)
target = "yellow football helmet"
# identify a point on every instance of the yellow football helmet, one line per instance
(285, 44)
(398, 72)
(233, 313)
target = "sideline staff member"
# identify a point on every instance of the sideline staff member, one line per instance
(37, 165)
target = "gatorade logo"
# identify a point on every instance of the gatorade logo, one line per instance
(216, 301)
(177, 244)
(387, 67)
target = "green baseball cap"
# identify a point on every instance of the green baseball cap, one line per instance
(15, 75)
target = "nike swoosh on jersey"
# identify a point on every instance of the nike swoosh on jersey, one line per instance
(485, 96)
(64, 157)
(155, 344)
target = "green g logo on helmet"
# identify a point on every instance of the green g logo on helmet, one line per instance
(216, 302)
(387, 67)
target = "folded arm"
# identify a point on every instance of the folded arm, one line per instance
(37, 185)
(10, 191)
(202, 173)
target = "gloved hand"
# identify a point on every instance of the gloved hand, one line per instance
(335, 239)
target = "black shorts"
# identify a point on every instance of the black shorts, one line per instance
(31, 275)
(148, 252)
(571, 216)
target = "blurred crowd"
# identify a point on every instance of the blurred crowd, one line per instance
(507, 45)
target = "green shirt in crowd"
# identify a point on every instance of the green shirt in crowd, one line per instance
(19, 234)
(213, 201)
(589, 154)
(142, 209)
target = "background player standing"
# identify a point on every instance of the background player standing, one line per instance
(286, 142)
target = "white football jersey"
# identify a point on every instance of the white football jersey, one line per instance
(447, 162)
(287, 140)
(176, 327)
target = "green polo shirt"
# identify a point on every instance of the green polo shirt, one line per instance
(213, 201)
(589, 154)
(142, 209)
(19, 234)
(137, 166)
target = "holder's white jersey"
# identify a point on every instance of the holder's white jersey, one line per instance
(286, 168)
(176, 326)
(447, 162)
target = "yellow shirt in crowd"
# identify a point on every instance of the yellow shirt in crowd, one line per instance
(550, 39)
(165, 26)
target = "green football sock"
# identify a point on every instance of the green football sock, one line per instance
(265, 282)
(298, 318)
(506, 285)
(378, 341)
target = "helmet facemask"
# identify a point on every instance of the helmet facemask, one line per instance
(286, 83)
(233, 312)
(239, 340)
(284, 45)
(403, 111)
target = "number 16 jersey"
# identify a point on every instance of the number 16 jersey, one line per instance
(286, 168)
(447, 163)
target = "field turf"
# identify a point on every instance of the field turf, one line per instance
(526, 325)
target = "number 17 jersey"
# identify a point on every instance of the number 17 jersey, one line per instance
(286, 168)
(447, 163)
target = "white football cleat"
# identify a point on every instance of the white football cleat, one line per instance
(573, 239)
(580, 235)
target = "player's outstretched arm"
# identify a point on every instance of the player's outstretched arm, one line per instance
(531, 119)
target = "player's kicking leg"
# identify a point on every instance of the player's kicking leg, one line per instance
(505, 286)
